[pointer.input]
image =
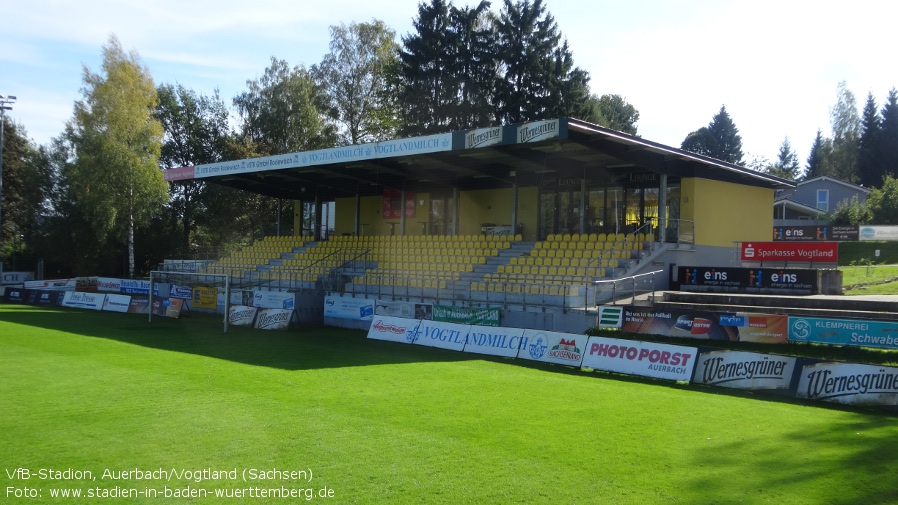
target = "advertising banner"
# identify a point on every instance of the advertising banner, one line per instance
(677, 323)
(393, 205)
(483, 137)
(18, 295)
(538, 131)
(611, 316)
(761, 328)
(82, 300)
(443, 335)
(14, 278)
(844, 332)
(179, 174)
(168, 307)
(747, 280)
(60, 284)
(47, 298)
(744, 370)
(884, 233)
(140, 304)
(410, 310)
(138, 287)
(483, 316)
(815, 252)
(849, 383)
(553, 347)
(345, 307)
(494, 341)
(661, 361)
(205, 298)
(394, 329)
(109, 285)
(116, 303)
(178, 291)
(274, 319)
(242, 315)
(86, 284)
(273, 300)
(815, 233)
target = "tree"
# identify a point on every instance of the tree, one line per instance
(720, 139)
(116, 137)
(868, 167)
(852, 212)
(883, 202)
(425, 70)
(537, 78)
(27, 181)
(819, 157)
(474, 65)
(846, 127)
(196, 131)
(282, 111)
(888, 142)
(786, 165)
(611, 111)
(354, 77)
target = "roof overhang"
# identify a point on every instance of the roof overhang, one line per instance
(526, 154)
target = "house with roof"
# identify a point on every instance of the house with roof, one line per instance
(814, 199)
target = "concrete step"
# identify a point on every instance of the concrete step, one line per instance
(841, 307)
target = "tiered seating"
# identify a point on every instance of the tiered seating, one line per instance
(260, 253)
(563, 260)
(424, 261)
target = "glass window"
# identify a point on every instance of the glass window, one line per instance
(823, 200)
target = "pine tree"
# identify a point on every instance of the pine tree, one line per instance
(720, 139)
(869, 168)
(786, 165)
(888, 145)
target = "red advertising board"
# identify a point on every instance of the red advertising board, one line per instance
(812, 252)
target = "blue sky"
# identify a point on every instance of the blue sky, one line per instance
(774, 64)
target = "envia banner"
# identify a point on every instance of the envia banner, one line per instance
(781, 252)
(849, 383)
(274, 319)
(553, 347)
(743, 370)
(241, 315)
(47, 298)
(394, 329)
(494, 341)
(844, 331)
(761, 328)
(661, 361)
(747, 280)
(815, 233)
(483, 316)
(885, 233)
(18, 295)
(346, 307)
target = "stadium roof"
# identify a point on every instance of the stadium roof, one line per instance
(483, 158)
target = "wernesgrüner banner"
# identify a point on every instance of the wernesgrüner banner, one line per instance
(744, 370)
(849, 383)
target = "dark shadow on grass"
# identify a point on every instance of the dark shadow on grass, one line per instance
(859, 450)
(202, 334)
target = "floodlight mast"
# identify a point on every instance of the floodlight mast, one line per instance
(5, 105)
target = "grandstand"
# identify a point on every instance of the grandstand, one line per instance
(579, 207)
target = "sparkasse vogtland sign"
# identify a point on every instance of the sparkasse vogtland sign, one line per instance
(814, 252)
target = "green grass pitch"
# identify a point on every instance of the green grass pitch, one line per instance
(378, 422)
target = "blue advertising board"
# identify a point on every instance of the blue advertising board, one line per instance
(844, 332)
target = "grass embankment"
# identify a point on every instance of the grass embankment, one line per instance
(866, 273)
(379, 422)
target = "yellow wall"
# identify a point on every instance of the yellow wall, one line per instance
(371, 215)
(724, 212)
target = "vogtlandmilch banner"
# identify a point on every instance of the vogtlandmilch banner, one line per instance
(849, 383)
(443, 335)
(494, 341)
(649, 359)
(744, 370)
